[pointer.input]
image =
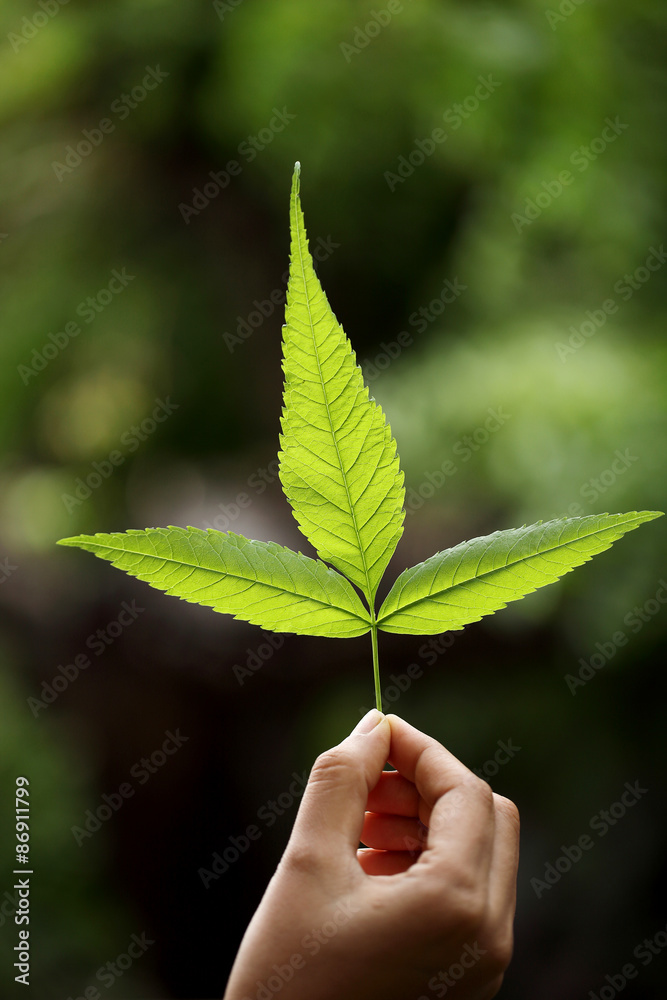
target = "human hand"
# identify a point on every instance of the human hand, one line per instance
(396, 921)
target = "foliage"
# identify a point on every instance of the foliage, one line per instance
(340, 472)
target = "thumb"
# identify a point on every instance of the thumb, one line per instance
(331, 814)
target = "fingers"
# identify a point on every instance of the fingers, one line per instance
(462, 820)
(423, 761)
(331, 814)
(392, 833)
(385, 862)
(394, 794)
(504, 861)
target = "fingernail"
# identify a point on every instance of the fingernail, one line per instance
(369, 721)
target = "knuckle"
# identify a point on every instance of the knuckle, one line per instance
(466, 901)
(508, 810)
(479, 787)
(302, 860)
(499, 949)
(470, 907)
(331, 766)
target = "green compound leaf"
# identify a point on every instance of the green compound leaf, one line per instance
(482, 575)
(259, 582)
(338, 466)
(340, 472)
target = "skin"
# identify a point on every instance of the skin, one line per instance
(427, 907)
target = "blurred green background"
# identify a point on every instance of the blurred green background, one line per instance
(502, 281)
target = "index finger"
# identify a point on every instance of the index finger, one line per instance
(423, 761)
(462, 821)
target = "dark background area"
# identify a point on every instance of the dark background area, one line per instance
(582, 432)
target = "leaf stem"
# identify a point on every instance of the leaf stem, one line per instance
(376, 664)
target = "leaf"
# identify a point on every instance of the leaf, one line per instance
(259, 582)
(338, 465)
(340, 471)
(482, 575)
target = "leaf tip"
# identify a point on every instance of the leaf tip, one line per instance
(642, 515)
